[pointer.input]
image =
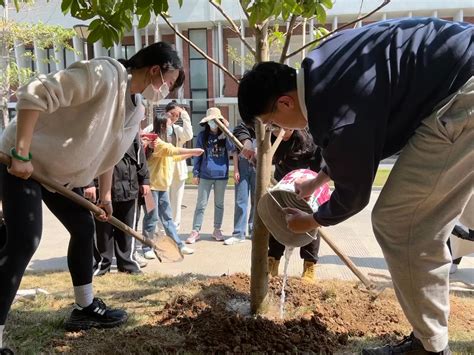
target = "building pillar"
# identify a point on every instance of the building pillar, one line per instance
(311, 30)
(334, 23)
(157, 31)
(384, 16)
(79, 48)
(117, 50)
(303, 32)
(59, 57)
(435, 13)
(20, 54)
(146, 36)
(242, 48)
(459, 17)
(179, 49)
(410, 14)
(220, 56)
(98, 49)
(137, 37)
(40, 55)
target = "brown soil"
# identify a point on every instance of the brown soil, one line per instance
(326, 317)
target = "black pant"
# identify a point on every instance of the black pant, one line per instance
(22, 208)
(309, 252)
(110, 239)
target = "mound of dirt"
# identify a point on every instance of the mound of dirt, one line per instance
(316, 319)
(212, 315)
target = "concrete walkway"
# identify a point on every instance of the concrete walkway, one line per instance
(354, 237)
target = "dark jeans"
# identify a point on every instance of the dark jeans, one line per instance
(309, 252)
(110, 240)
(22, 208)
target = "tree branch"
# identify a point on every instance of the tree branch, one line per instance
(233, 26)
(386, 2)
(244, 10)
(187, 40)
(291, 27)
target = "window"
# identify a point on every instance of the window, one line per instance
(128, 51)
(28, 57)
(68, 57)
(198, 81)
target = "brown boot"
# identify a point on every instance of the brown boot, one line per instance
(273, 265)
(309, 271)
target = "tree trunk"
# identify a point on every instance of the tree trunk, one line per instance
(259, 273)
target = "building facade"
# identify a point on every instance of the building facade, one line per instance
(207, 85)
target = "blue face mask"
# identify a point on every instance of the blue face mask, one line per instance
(169, 130)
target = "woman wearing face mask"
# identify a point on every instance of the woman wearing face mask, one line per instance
(72, 126)
(180, 134)
(160, 165)
(211, 170)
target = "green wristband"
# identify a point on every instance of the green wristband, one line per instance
(19, 157)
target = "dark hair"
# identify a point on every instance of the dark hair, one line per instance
(262, 86)
(160, 121)
(172, 105)
(205, 137)
(161, 54)
(301, 145)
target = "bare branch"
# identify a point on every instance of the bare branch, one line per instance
(385, 3)
(233, 26)
(291, 27)
(360, 11)
(277, 142)
(244, 10)
(187, 40)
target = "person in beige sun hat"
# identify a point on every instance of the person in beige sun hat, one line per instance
(212, 114)
(211, 171)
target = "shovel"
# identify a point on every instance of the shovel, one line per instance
(164, 247)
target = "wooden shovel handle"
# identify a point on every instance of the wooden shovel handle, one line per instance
(367, 283)
(81, 201)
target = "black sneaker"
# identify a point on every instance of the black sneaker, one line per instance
(96, 315)
(6, 351)
(410, 345)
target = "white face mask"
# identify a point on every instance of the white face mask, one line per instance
(153, 95)
(212, 124)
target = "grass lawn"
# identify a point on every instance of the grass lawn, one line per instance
(380, 178)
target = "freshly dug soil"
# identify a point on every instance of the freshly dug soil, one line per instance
(326, 317)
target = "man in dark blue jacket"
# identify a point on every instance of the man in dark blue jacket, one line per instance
(400, 85)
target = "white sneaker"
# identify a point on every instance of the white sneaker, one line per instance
(187, 251)
(139, 259)
(234, 240)
(150, 254)
(453, 269)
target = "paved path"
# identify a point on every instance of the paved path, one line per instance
(354, 237)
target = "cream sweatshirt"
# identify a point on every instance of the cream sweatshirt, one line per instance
(87, 120)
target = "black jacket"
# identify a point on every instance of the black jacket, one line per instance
(243, 132)
(367, 91)
(130, 173)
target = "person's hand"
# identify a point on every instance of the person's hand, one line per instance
(90, 193)
(107, 211)
(236, 177)
(298, 221)
(225, 122)
(152, 144)
(304, 188)
(198, 151)
(195, 180)
(21, 169)
(145, 142)
(144, 189)
(248, 152)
